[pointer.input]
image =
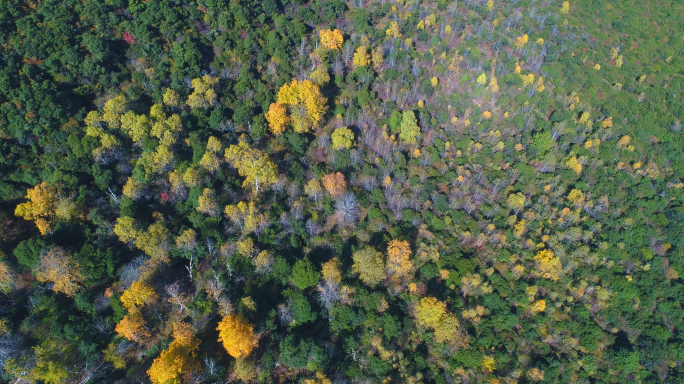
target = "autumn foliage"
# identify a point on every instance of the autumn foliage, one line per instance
(335, 184)
(178, 359)
(331, 39)
(57, 267)
(398, 258)
(237, 336)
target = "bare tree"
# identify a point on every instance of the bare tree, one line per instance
(177, 296)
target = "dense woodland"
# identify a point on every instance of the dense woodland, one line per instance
(293, 191)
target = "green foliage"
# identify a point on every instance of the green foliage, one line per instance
(304, 275)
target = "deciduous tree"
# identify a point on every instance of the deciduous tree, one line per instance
(277, 118)
(40, 207)
(259, 171)
(331, 39)
(342, 138)
(137, 294)
(369, 264)
(398, 258)
(335, 185)
(57, 267)
(203, 94)
(132, 328)
(409, 129)
(178, 360)
(237, 336)
(361, 57)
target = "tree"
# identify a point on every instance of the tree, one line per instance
(331, 270)
(342, 138)
(132, 188)
(565, 7)
(393, 30)
(137, 294)
(331, 39)
(361, 57)
(369, 264)
(306, 104)
(245, 215)
(313, 189)
(171, 98)
(204, 95)
(431, 313)
(335, 185)
(57, 267)
(398, 263)
(132, 328)
(136, 126)
(155, 241)
(125, 228)
(40, 206)
(113, 110)
(187, 240)
(277, 118)
(253, 164)
(209, 162)
(179, 359)
(378, 57)
(304, 275)
(547, 265)
(237, 336)
(207, 203)
(409, 129)
(516, 201)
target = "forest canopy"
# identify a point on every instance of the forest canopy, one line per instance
(311, 191)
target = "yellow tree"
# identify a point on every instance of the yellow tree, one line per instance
(237, 336)
(136, 126)
(369, 264)
(209, 162)
(361, 57)
(171, 98)
(431, 313)
(125, 228)
(203, 95)
(259, 171)
(132, 328)
(331, 39)
(165, 129)
(331, 270)
(277, 118)
(187, 240)
(335, 185)
(113, 110)
(516, 201)
(179, 359)
(155, 241)
(40, 206)
(57, 267)
(342, 138)
(246, 216)
(393, 30)
(132, 188)
(306, 104)
(313, 189)
(207, 203)
(137, 294)
(398, 254)
(319, 379)
(547, 265)
(377, 57)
